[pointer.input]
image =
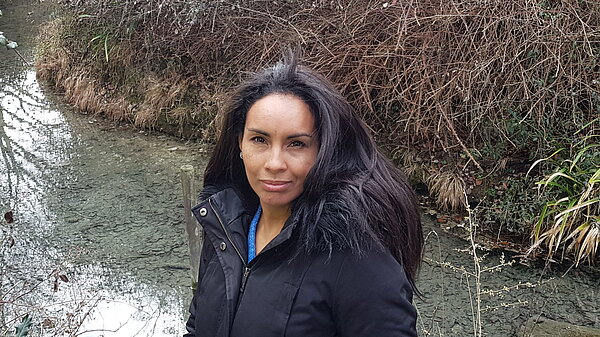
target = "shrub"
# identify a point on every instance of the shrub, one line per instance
(441, 75)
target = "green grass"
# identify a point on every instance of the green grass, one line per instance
(570, 217)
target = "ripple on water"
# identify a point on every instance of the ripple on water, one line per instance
(99, 244)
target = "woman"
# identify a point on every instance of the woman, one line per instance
(309, 229)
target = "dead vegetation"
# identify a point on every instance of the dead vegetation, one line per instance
(449, 188)
(160, 95)
(433, 73)
(487, 85)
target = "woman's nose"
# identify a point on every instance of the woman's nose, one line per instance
(276, 161)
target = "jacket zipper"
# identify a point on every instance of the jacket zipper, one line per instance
(246, 268)
(244, 279)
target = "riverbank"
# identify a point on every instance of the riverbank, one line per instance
(443, 121)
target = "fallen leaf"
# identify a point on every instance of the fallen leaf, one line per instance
(48, 323)
(8, 217)
(458, 218)
(22, 329)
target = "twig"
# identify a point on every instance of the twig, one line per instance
(22, 58)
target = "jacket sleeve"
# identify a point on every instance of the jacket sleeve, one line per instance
(205, 256)
(373, 297)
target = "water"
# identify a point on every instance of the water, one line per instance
(99, 244)
(510, 293)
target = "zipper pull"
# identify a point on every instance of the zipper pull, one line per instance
(244, 279)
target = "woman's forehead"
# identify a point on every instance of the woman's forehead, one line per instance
(278, 112)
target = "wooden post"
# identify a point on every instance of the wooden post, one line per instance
(194, 232)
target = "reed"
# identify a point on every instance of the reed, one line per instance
(570, 219)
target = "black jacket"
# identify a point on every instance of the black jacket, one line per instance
(283, 293)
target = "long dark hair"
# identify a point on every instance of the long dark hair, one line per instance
(354, 197)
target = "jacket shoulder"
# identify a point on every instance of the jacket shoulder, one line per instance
(373, 286)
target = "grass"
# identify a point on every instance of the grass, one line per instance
(570, 219)
(449, 189)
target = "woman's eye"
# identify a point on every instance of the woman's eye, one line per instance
(297, 143)
(257, 139)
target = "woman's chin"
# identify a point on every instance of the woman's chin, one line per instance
(275, 201)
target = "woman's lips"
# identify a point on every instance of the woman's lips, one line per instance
(274, 185)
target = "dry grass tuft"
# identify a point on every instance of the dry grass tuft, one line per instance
(119, 110)
(83, 92)
(52, 68)
(411, 164)
(449, 189)
(51, 61)
(208, 112)
(160, 95)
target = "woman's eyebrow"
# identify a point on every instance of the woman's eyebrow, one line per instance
(258, 131)
(295, 135)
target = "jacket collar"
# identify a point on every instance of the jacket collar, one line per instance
(226, 214)
(229, 205)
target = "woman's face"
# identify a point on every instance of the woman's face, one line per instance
(279, 147)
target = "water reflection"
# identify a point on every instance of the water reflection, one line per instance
(32, 141)
(134, 311)
(99, 246)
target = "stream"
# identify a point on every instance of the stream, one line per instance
(98, 246)
(99, 239)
